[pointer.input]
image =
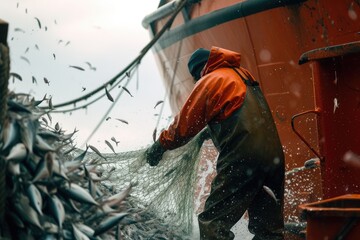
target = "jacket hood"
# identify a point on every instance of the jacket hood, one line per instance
(220, 58)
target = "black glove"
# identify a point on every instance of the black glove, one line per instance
(154, 153)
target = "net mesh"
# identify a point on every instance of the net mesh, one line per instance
(57, 190)
(165, 192)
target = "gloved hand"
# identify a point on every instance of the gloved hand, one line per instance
(154, 153)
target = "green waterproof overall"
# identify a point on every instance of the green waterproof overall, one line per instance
(250, 157)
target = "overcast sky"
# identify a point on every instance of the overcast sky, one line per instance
(106, 33)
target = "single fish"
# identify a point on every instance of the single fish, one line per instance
(127, 90)
(159, 102)
(108, 95)
(26, 212)
(25, 59)
(46, 81)
(19, 30)
(83, 89)
(116, 199)
(79, 235)
(28, 129)
(35, 198)
(57, 209)
(109, 223)
(50, 103)
(270, 192)
(10, 134)
(108, 118)
(57, 127)
(16, 75)
(154, 135)
(115, 141)
(44, 168)
(70, 135)
(37, 47)
(122, 120)
(96, 151)
(45, 121)
(110, 146)
(38, 22)
(77, 67)
(77, 193)
(85, 229)
(312, 163)
(42, 145)
(336, 104)
(54, 56)
(17, 153)
(81, 156)
(13, 168)
(90, 66)
(27, 50)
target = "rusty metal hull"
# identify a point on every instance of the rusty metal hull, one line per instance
(305, 54)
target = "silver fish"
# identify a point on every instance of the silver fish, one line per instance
(122, 120)
(77, 67)
(17, 153)
(85, 229)
(10, 133)
(42, 170)
(25, 59)
(109, 223)
(78, 194)
(96, 151)
(42, 145)
(270, 192)
(13, 168)
(159, 102)
(79, 235)
(312, 163)
(38, 22)
(34, 80)
(115, 141)
(108, 95)
(110, 146)
(81, 156)
(57, 209)
(16, 75)
(26, 212)
(90, 66)
(127, 90)
(118, 198)
(27, 133)
(35, 198)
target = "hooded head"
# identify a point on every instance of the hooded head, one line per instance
(197, 62)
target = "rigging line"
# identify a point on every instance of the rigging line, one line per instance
(93, 101)
(107, 112)
(85, 105)
(171, 86)
(136, 60)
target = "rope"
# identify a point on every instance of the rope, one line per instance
(137, 60)
(4, 80)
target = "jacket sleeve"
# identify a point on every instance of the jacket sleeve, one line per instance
(213, 98)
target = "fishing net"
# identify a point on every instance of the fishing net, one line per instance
(166, 193)
(57, 191)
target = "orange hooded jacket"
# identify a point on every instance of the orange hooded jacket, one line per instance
(214, 98)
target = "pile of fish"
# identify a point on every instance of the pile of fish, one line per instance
(52, 190)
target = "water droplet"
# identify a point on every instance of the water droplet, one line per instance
(265, 55)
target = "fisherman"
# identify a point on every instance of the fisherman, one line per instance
(250, 165)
